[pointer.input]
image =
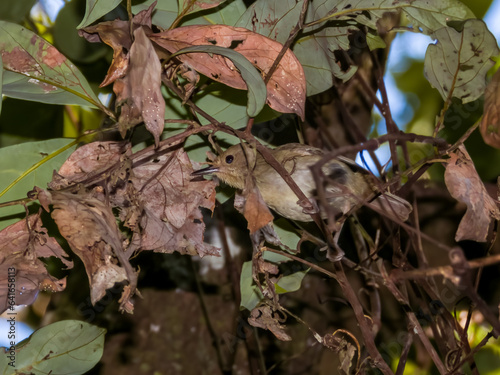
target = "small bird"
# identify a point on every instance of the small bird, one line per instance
(346, 187)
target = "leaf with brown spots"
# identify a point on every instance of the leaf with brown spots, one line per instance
(286, 90)
(36, 70)
(464, 184)
(21, 246)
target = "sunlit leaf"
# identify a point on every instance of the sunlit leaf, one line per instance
(429, 16)
(459, 61)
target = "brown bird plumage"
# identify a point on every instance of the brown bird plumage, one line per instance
(345, 188)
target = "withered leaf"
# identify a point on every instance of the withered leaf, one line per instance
(91, 160)
(286, 90)
(139, 92)
(136, 71)
(89, 226)
(116, 34)
(465, 185)
(255, 210)
(262, 317)
(21, 244)
(490, 124)
(172, 220)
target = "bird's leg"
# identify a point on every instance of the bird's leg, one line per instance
(334, 252)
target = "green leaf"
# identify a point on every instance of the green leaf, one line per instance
(288, 237)
(164, 14)
(314, 50)
(290, 283)
(95, 9)
(68, 347)
(287, 233)
(257, 91)
(38, 71)
(1, 80)
(199, 5)
(250, 294)
(332, 23)
(429, 16)
(459, 61)
(16, 160)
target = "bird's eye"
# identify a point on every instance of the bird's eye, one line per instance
(229, 159)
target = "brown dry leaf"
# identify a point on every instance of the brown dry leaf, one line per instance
(286, 90)
(139, 91)
(89, 226)
(262, 317)
(93, 159)
(20, 248)
(490, 124)
(465, 185)
(116, 34)
(172, 220)
(136, 71)
(251, 204)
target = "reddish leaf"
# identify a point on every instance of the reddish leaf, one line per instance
(490, 124)
(286, 90)
(256, 211)
(20, 248)
(464, 184)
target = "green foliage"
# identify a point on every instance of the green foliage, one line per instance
(255, 84)
(95, 9)
(25, 166)
(68, 347)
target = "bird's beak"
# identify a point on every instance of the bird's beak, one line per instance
(204, 171)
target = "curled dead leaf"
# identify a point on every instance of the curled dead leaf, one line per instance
(465, 185)
(263, 317)
(21, 246)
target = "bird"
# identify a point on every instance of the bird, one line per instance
(347, 186)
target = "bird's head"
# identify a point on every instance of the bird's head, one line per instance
(232, 165)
